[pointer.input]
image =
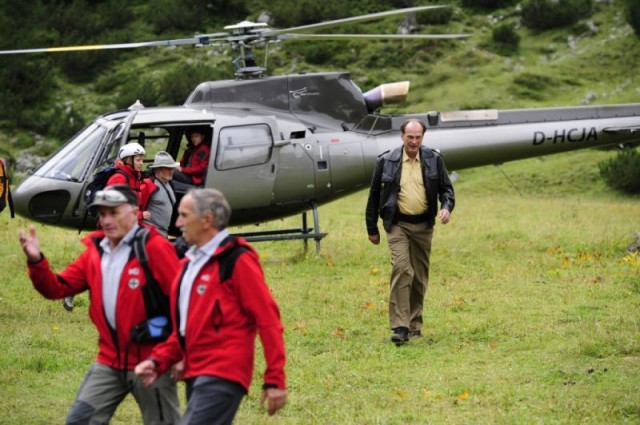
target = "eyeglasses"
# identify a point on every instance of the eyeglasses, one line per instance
(110, 196)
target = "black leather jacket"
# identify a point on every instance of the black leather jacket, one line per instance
(385, 185)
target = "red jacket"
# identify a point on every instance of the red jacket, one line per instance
(85, 274)
(133, 179)
(195, 161)
(222, 322)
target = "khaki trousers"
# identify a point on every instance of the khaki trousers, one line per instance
(410, 246)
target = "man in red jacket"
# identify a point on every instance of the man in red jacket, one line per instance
(110, 271)
(195, 160)
(219, 302)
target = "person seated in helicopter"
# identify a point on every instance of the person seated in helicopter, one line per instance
(129, 171)
(195, 159)
(158, 189)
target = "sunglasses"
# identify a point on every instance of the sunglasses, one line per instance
(110, 196)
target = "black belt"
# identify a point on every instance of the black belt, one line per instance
(413, 219)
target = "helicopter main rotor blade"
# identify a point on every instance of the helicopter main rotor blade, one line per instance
(370, 36)
(198, 40)
(361, 18)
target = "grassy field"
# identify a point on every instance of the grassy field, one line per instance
(532, 313)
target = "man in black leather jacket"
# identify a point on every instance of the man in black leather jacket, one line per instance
(406, 186)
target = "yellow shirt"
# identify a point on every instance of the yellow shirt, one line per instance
(412, 199)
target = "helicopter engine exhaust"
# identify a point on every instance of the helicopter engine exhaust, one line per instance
(386, 94)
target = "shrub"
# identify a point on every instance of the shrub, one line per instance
(304, 12)
(178, 81)
(533, 86)
(487, 4)
(506, 36)
(64, 121)
(547, 14)
(79, 23)
(623, 171)
(189, 16)
(440, 16)
(28, 85)
(633, 15)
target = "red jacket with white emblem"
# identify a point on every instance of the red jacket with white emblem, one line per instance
(85, 274)
(222, 321)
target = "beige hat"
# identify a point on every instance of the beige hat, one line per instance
(163, 159)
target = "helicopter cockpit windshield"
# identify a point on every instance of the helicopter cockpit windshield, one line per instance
(71, 162)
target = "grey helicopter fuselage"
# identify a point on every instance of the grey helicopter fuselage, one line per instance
(279, 144)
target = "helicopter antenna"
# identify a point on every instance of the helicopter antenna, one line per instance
(508, 179)
(266, 55)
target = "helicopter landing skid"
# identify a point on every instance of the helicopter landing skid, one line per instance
(305, 233)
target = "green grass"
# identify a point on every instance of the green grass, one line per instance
(532, 313)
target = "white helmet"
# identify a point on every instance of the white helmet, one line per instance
(130, 149)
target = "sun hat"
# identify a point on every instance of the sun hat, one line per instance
(163, 160)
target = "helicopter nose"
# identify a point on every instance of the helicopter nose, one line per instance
(41, 199)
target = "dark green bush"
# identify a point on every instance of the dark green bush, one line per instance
(317, 53)
(439, 16)
(65, 121)
(28, 85)
(547, 14)
(622, 172)
(533, 86)
(287, 13)
(80, 22)
(487, 4)
(187, 17)
(178, 82)
(506, 36)
(633, 15)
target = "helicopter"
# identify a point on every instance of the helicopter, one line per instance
(283, 145)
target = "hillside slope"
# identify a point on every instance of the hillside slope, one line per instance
(591, 62)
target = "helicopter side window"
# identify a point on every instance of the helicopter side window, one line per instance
(153, 139)
(111, 154)
(72, 159)
(243, 146)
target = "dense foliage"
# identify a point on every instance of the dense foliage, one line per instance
(54, 95)
(487, 4)
(31, 83)
(622, 172)
(546, 14)
(506, 38)
(633, 15)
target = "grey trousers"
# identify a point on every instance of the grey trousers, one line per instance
(410, 246)
(104, 388)
(212, 401)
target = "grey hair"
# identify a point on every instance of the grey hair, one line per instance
(211, 201)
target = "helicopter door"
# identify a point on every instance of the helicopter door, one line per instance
(347, 166)
(295, 180)
(244, 168)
